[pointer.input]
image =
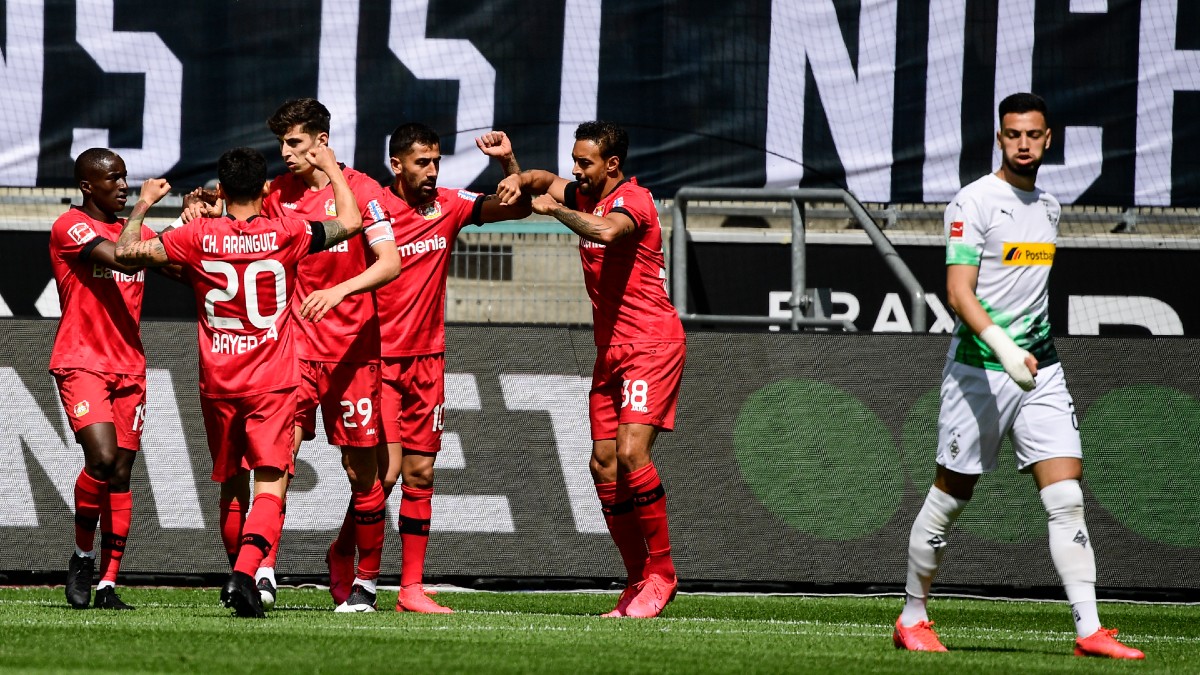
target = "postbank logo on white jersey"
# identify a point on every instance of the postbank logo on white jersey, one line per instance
(1025, 254)
(430, 211)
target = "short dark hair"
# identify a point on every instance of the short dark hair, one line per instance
(1022, 102)
(409, 134)
(610, 138)
(307, 112)
(90, 159)
(242, 172)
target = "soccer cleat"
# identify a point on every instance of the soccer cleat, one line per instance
(107, 598)
(240, 594)
(360, 600)
(1104, 643)
(653, 595)
(266, 593)
(412, 598)
(341, 574)
(79, 580)
(627, 597)
(917, 638)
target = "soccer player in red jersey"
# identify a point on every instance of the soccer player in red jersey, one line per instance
(242, 268)
(98, 363)
(339, 346)
(640, 348)
(426, 220)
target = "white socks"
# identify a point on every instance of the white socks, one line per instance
(368, 585)
(265, 573)
(926, 542)
(1071, 549)
(85, 554)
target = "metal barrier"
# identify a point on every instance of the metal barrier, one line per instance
(799, 301)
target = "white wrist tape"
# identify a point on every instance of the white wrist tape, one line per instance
(1011, 356)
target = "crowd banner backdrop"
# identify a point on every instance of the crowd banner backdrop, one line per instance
(892, 99)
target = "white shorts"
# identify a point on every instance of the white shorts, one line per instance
(980, 406)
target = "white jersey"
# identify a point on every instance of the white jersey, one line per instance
(1010, 234)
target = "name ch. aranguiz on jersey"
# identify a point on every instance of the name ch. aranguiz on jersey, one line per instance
(240, 243)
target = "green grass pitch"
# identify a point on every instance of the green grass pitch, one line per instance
(184, 630)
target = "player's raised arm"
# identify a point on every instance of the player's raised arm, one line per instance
(497, 145)
(131, 249)
(348, 221)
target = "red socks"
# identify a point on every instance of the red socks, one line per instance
(415, 512)
(616, 501)
(345, 542)
(650, 505)
(232, 520)
(260, 532)
(114, 530)
(269, 559)
(369, 525)
(89, 494)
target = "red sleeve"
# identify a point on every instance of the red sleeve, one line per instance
(369, 195)
(70, 235)
(637, 205)
(299, 233)
(177, 243)
(468, 208)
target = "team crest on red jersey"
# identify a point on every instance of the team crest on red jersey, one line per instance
(598, 211)
(430, 211)
(330, 207)
(956, 229)
(82, 408)
(81, 233)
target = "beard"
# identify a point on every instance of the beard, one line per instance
(1027, 170)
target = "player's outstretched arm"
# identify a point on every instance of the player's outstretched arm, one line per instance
(349, 221)
(384, 270)
(531, 181)
(961, 281)
(131, 249)
(600, 229)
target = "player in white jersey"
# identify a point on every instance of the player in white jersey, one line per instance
(1002, 376)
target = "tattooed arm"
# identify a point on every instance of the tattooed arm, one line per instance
(600, 229)
(131, 248)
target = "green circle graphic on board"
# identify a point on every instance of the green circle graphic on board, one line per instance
(818, 459)
(1005, 507)
(1142, 463)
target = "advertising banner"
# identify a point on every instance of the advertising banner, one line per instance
(797, 458)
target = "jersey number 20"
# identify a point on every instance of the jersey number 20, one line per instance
(250, 282)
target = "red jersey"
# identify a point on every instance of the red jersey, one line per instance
(101, 308)
(244, 276)
(349, 333)
(413, 310)
(627, 279)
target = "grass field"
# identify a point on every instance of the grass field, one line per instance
(183, 630)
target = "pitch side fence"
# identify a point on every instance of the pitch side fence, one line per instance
(799, 461)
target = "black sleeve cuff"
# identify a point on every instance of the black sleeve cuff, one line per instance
(318, 237)
(569, 196)
(85, 253)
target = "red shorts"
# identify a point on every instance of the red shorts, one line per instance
(348, 395)
(635, 384)
(252, 431)
(90, 397)
(414, 401)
